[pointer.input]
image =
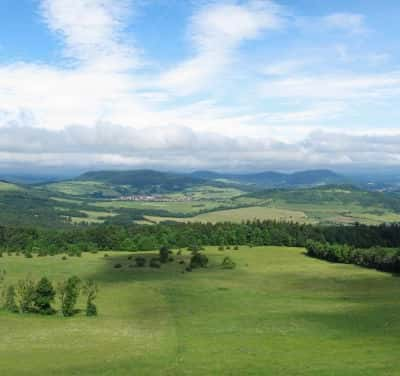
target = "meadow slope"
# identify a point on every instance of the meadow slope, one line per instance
(278, 313)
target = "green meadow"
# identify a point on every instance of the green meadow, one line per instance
(278, 313)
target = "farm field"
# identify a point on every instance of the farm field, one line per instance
(239, 215)
(177, 207)
(278, 313)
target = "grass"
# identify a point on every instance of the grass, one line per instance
(184, 207)
(239, 215)
(82, 188)
(278, 313)
(5, 187)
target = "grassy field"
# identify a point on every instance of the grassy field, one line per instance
(278, 313)
(178, 207)
(4, 186)
(239, 215)
(82, 188)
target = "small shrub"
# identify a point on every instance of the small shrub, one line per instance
(198, 260)
(91, 289)
(10, 300)
(179, 253)
(182, 262)
(236, 247)
(130, 257)
(28, 255)
(140, 261)
(64, 258)
(188, 269)
(221, 248)
(171, 259)
(228, 263)
(228, 247)
(118, 266)
(164, 254)
(155, 263)
(105, 255)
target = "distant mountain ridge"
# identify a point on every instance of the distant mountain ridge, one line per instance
(272, 179)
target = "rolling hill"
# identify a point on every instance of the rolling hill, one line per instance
(272, 179)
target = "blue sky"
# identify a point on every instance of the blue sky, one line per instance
(225, 85)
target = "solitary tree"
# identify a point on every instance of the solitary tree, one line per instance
(69, 293)
(91, 289)
(44, 296)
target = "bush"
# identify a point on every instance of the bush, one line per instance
(105, 255)
(228, 263)
(90, 288)
(64, 258)
(221, 248)
(10, 300)
(236, 247)
(28, 255)
(25, 295)
(155, 263)
(118, 266)
(198, 260)
(140, 261)
(164, 254)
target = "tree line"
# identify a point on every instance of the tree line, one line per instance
(380, 258)
(28, 296)
(180, 235)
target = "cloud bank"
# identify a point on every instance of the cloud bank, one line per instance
(228, 104)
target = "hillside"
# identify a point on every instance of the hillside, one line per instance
(272, 179)
(278, 313)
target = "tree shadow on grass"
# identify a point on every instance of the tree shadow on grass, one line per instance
(122, 268)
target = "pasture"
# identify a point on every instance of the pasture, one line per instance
(239, 215)
(278, 313)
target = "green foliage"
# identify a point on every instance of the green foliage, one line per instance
(198, 260)
(155, 263)
(44, 296)
(164, 254)
(10, 303)
(26, 293)
(228, 263)
(91, 290)
(385, 259)
(140, 261)
(68, 293)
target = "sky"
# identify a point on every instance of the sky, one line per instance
(198, 84)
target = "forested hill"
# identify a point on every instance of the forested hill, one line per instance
(143, 179)
(333, 195)
(271, 179)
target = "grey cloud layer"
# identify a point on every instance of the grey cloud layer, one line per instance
(180, 147)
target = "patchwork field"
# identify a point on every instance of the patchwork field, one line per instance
(240, 215)
(278, 313)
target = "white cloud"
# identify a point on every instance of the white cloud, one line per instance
(91, 30)
(216, 32)
(346, 86)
